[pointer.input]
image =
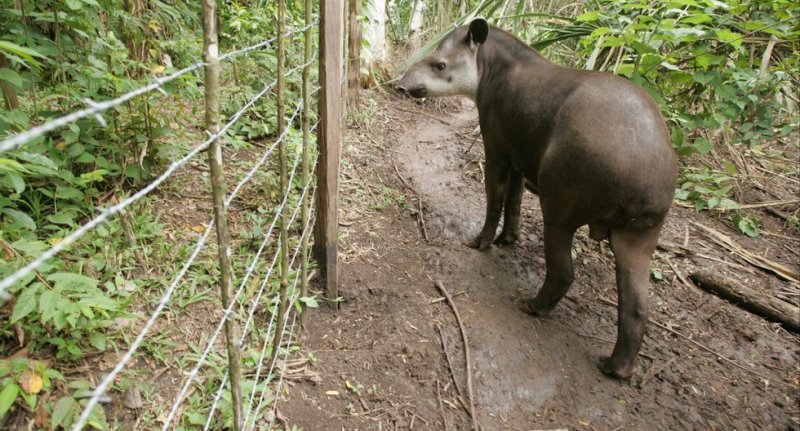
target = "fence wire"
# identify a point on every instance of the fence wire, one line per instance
(115, 209)
(109, 378)
(233, 301)
(97, 108)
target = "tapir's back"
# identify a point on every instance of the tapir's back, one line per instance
(594, 144)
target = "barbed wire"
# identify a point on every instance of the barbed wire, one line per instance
(267, 42)
(281, 378)
(113, 210)
(256, 300)
(96, 108)
(267, 338)
(193, 373)
(289, 308)
(106, 382)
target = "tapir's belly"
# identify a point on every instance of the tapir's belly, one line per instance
(607, 170)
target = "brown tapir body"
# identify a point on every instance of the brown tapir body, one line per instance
(592, 145)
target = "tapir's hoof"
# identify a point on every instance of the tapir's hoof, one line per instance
(506, 239)
(479, 243)
(610, 369)
(533, 308)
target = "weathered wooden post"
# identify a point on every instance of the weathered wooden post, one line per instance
(329, 140)
(218, 189)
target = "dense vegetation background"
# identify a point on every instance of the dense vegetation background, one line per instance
(725, 74)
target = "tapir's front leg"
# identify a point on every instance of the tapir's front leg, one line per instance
(511, 209)
(496, 178)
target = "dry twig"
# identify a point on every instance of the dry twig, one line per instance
(452, 304)
(751, 258)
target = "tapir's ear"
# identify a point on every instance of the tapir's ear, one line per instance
(478, 31)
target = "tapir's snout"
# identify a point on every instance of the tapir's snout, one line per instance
(413, 92)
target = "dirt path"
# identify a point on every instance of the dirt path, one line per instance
(382, 363)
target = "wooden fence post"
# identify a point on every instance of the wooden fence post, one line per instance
(218, 188)
(329, 140)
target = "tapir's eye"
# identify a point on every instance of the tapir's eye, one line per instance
(439, 66)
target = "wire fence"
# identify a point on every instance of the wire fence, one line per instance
(294, 211)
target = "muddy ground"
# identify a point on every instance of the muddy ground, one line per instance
(392, 358)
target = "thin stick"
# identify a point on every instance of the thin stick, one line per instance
(452, 372)
(441, 406)
(770, 204)
(218, 187)
(675, 270)
(421, 217)
(707, 349)
(452, 304)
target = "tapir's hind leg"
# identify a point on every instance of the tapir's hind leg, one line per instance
(559, 272)
(632, 251)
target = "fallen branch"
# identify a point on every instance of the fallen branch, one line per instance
(762, 304)
(751, 258)
(421, 217)
(452, 304)
(459, 393)
(770, 204)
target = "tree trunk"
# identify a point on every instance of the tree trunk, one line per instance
(354, 54)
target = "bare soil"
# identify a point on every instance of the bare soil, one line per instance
(392, 357)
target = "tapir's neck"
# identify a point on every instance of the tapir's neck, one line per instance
(502, 51)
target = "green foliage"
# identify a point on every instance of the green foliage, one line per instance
(705, 63)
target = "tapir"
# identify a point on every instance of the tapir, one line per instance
(592, 145)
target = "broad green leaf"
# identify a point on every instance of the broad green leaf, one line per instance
(70, 193)
(64, 408)
(39, 159)
(310, 301)
(30, 248)
(17, 182)
(98, 341)
(728, 36)
(12, 77)
(8, 165)
(25, 53)
(74, 4)
(7, 397)
(48, 303)
(20, 217)
(70, 281)
(26, 303)
(589, 16)
(99, 301)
